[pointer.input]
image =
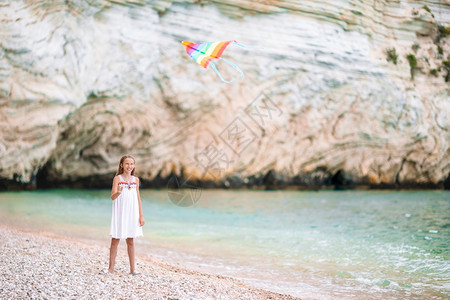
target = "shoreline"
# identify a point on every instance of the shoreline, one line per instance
(20, 187)
(45, 265)
(317, 180)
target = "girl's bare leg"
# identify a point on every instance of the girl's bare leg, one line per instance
(113, 254)
(130, 248)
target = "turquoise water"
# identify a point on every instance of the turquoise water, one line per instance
(323, 245)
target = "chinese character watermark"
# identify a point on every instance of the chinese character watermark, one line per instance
(237, 136)
(182, 193)
(261, 109)
(216, 158)
(213, 159)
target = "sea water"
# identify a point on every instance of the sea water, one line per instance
(321, 245)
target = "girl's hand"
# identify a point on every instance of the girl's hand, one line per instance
(116, 189)
(141, 221)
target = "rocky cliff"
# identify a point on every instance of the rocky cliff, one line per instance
(344, 93)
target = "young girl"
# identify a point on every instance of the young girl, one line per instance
(127, 218)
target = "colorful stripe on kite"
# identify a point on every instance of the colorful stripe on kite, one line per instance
(204, 53)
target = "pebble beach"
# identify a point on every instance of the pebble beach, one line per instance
(39, 265)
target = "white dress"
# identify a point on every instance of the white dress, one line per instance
(125, 212)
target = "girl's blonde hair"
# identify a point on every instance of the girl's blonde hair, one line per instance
(120, 169)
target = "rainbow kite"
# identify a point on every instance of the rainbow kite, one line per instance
(204, 53)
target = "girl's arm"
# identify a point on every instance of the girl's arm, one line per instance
(116, 189)
(141, 215)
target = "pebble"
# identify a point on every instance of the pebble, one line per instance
(39, 266)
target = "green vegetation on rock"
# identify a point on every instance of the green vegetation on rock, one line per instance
(446, 65)
(392, 55)
(435, 72)
(428, 10)
(412, 63)
(444, 31)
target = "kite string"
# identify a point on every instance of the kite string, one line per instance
(248, 47)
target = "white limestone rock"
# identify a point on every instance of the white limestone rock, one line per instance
(83, 82)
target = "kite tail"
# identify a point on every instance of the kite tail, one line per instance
(234, 66)
(248, 47)
(213, 65)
